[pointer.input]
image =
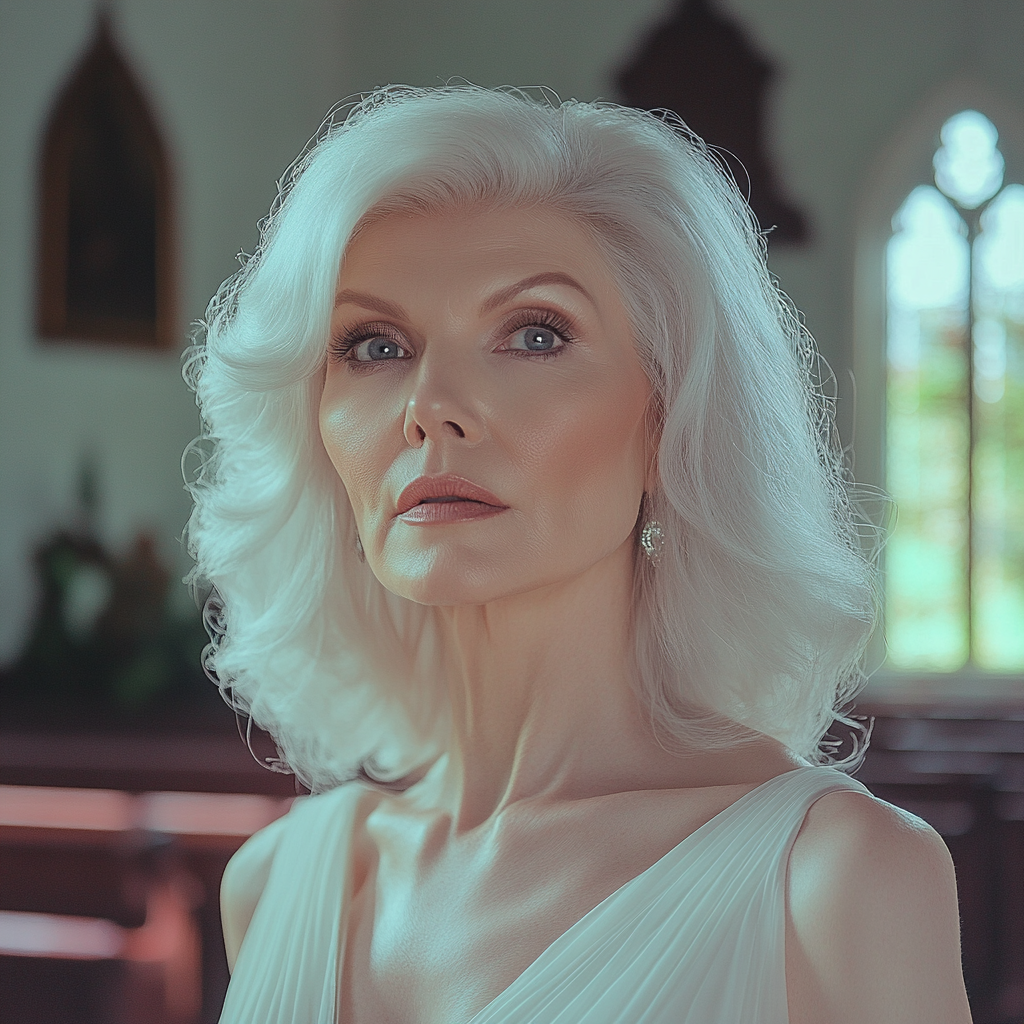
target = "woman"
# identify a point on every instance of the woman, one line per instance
(539, 565)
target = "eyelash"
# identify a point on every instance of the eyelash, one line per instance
(340, 347)
(548, 318)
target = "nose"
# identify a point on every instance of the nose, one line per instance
(440, 406)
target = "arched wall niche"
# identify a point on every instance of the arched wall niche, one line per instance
(105, 239)
(903, 163)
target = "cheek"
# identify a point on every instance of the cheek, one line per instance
(586, 454)
(358, 440)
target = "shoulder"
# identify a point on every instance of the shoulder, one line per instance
(243, 882)
(872, 922)
(309, 822)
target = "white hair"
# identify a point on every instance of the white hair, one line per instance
(756, 616)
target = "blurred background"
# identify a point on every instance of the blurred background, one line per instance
(882, 146)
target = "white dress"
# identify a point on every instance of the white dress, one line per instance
(696, 938)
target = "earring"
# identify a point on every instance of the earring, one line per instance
(652, 540)
(359, 548)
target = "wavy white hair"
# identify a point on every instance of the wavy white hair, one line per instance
(756, 616)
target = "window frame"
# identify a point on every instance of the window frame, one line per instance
(902, 164)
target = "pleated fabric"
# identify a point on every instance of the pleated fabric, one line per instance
(286, 968)
(697, 938)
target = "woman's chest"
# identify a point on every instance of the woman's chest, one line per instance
(433, 940)
(438, 953)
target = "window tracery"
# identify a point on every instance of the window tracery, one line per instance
(954, 418)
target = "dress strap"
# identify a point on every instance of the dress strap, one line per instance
(286, 970)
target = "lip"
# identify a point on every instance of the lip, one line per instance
(422, 501)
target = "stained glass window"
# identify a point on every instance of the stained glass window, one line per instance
(955, 412)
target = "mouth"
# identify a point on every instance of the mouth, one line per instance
(446, 498)
(450, 510)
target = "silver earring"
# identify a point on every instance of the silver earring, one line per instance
(359, 548)
(652, 540)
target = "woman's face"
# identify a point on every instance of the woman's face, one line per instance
(484, 404)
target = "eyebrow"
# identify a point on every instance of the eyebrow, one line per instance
(503, 295)
(499, 298)
(367, 301)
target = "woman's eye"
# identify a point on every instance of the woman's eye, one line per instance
(535, 339)
(377, 349)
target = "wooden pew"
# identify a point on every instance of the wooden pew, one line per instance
(107, 900)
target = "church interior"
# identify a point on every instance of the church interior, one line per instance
(881, 145)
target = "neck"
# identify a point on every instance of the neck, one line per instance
(542, 697)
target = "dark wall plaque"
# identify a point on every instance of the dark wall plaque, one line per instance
(105, 246)
(700, 65)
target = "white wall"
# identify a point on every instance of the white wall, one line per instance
(240, 85)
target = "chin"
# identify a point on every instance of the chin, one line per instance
(424, 579)
(449, 589)
(446, 596)
(448, 579)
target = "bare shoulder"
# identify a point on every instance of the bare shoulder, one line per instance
(243, 882)
(872, 920)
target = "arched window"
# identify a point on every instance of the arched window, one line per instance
(954, 412)
(104, 244)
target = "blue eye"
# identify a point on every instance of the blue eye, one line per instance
(377, 349)
(535, 339)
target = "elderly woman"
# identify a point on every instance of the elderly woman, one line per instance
(538, 561)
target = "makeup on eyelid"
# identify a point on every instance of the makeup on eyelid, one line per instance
(346, 346)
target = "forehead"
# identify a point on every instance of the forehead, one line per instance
(474, 247)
